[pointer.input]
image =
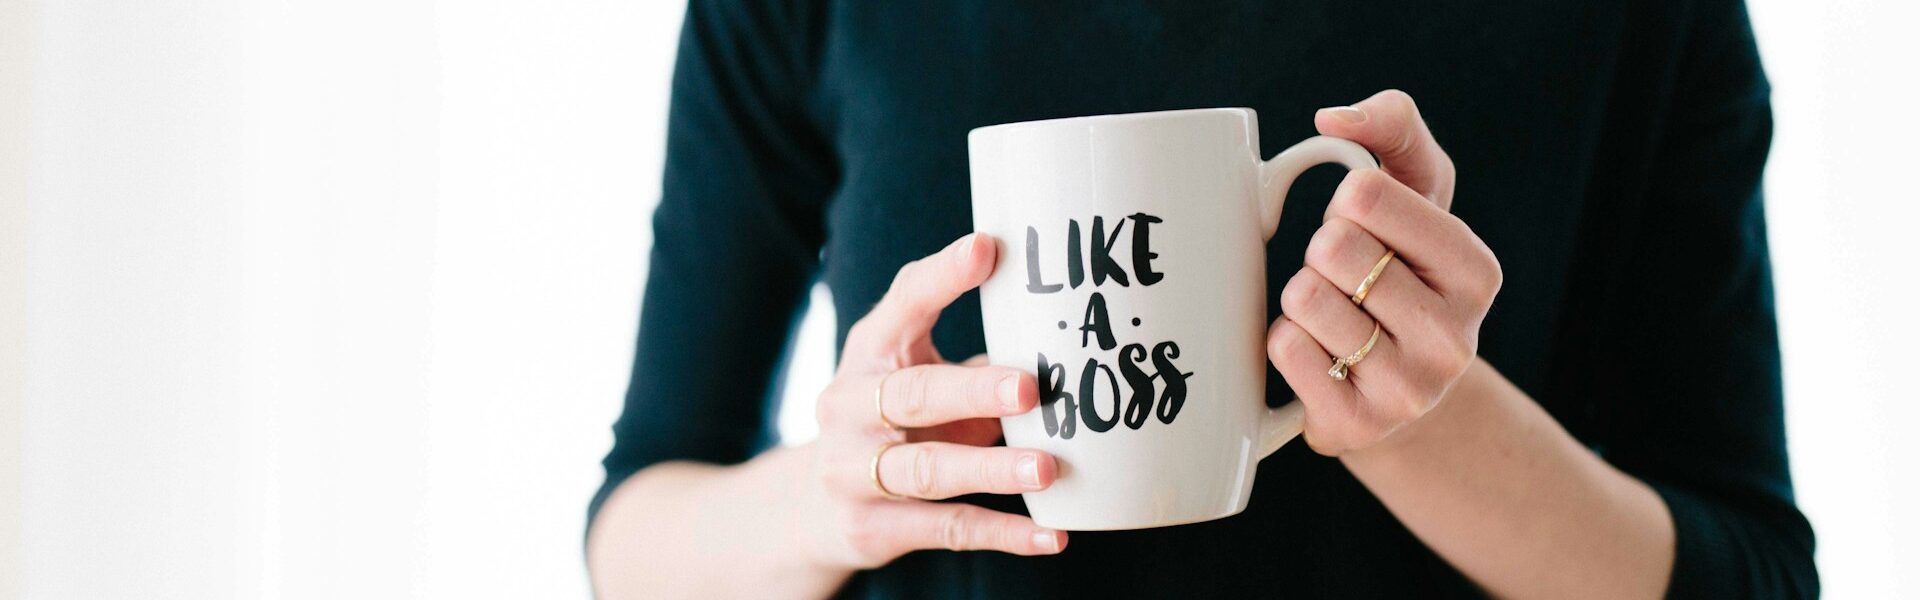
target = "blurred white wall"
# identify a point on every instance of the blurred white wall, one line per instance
(327, 299)
(1844, 209)
(322, 299)
(15, 40)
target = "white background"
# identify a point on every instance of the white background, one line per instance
(330, 299)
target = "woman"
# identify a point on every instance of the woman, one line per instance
(1610, 427)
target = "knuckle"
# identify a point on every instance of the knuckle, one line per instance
(1333, 241)
(1484, 292)
(1363, 191)
(1299, 346)
(1499, 278)
(1449, 345)
(1399, 100)
(1445, 358)
(956, 529)
(1280, 345)
(1401, 116)
(826, 407)
(1458, 355)
(1480, 260)
(923, 476)
(1449, 342)
(1298, 295)
(1276, 346)
(1495, 276)
(912, 397)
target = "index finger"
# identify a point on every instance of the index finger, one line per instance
(1389, 125)
(919, 292)
(930, 395)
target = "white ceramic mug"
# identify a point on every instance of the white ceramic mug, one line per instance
(1132, 281)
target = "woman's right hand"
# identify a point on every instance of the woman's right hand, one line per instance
(948, 415)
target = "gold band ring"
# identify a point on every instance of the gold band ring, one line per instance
(879, 394)
(1341, 364)
(873, 472)
(1366, 285)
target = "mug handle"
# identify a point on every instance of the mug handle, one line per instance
(1282, 424)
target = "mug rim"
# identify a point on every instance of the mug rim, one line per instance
(1135, 116)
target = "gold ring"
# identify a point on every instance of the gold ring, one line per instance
(1366, 285)
(879, 393)
(873, 471)
(1341, 364)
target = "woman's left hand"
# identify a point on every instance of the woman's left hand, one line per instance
(1428, 301)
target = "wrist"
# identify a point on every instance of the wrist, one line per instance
(770, 519)
(795, 490)
(1430, 431)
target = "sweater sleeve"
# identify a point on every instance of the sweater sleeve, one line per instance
(736, 244)
(1698, 415)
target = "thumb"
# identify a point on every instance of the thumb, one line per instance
(1389, 125)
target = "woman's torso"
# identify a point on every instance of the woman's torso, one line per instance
(1533, 102)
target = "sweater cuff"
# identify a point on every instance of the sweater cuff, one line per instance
(1704, 560)
(614, 478)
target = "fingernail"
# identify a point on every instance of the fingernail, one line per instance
(1047, 540)
(1348, 114)
(1029, 471)
(966, 246)
(1010, 393)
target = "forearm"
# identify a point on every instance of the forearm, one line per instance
(689, 530)
(1495, 486)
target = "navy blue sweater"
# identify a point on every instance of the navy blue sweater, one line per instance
(1609, 152)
